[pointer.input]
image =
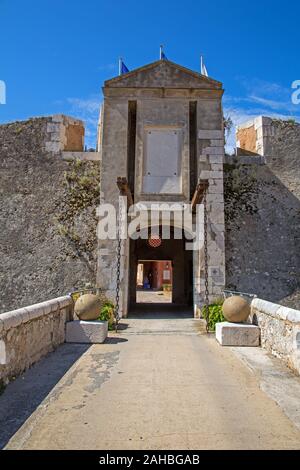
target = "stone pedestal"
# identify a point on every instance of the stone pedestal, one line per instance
(237, 334)
(91, 332)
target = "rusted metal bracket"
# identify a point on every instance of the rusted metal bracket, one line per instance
(198, 196)
(124, 189)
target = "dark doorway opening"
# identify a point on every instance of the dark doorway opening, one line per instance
(145, 259)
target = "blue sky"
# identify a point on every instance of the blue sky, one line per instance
(55, 54)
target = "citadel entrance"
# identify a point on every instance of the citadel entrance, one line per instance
(161, 139)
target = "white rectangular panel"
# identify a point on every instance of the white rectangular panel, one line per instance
(162, 164)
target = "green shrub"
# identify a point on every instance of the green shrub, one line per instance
(167, 287)
(107, 314)
(215, 314)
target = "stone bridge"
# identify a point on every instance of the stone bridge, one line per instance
(159, 383)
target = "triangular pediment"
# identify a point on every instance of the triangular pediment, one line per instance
(163, 74)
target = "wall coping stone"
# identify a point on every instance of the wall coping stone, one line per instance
(245, 160)
(83, 156)
(275, 310)
(15, 318)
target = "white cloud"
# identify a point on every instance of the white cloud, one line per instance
(238, 116)
(89, 105)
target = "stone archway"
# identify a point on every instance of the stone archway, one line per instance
(182, 267)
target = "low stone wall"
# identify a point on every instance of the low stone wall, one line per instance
(28, 334)
(280, 331)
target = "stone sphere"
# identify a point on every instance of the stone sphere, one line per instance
(236, 309)
(88, 306)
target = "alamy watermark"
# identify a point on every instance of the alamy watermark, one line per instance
(143, 221)
(296, 93)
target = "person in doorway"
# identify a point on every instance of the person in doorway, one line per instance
(150, 278)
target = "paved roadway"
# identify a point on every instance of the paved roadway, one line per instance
(160, 383)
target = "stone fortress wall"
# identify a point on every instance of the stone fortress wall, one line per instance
(262, 211)
(39, 259)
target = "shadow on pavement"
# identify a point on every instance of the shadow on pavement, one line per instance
(163, 311)
(115, 340)
(21, 397)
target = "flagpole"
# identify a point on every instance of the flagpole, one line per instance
(160, 51)
(201, 64)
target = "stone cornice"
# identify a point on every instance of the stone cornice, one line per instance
(148, 93)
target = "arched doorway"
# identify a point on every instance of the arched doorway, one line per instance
(172, 253)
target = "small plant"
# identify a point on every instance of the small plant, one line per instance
(107, 314)
(228, 125)
(215, 314)
(167, 287)
(75, 296)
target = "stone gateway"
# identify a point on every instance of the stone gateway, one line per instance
(161, 132)
(161, 128)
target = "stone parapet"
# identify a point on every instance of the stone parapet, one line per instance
(29, 333)
(82, 156)
(245, 160)
(64, 133)
(280, 330)
(268, 137)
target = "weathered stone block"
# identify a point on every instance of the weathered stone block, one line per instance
(216, 158)
(53, 127)
(36, 311)
(217, 167)
(53, 147)
(209, 134)
(237, 334)
(14, 318)
(215, 198)
(216, 187)
(93, 332)
(213, 150)
(58, 137)
(217, 275)
(217, 143)
(210, 174)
